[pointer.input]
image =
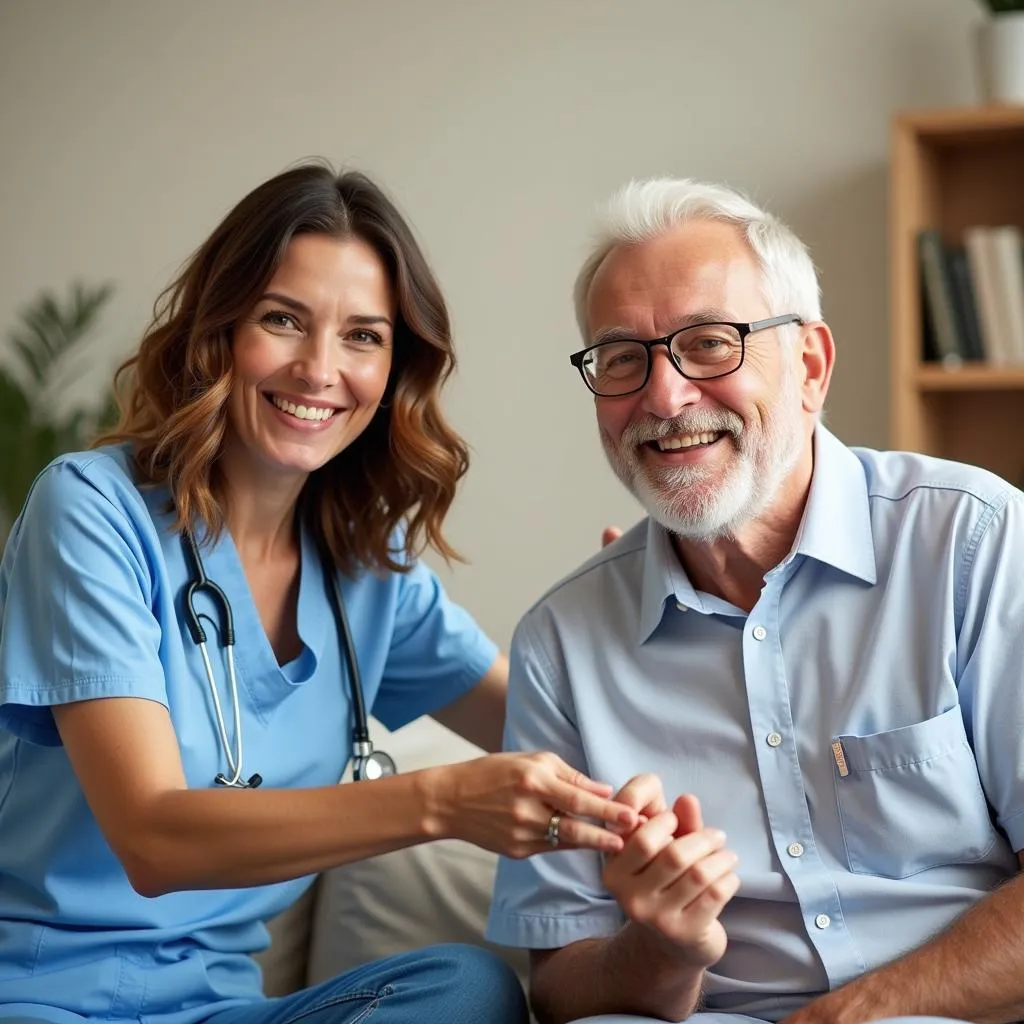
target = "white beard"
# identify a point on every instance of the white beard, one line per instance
(699, 503)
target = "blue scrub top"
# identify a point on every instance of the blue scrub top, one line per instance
(91, 586)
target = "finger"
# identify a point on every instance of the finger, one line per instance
(576, 778)
(609, 534)
(687, 809)
(579, 803)
(693, 924)
(645, 794)
(708, 905)
(574, 834)
(574, 793)
(644, 845)
(627, 830)
(684, 857)
(706, 874)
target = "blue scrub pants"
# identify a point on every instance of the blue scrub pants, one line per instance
(454, 984)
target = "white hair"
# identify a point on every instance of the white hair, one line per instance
(645, 210)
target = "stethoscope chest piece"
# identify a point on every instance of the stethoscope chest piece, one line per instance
(372, 764)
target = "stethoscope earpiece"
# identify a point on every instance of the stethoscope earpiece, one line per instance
(367, 762)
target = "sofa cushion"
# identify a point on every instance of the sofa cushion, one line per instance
(437, 892)
(284, 962)
(419, 896)
(415, 897)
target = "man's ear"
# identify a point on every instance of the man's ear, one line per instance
(818, 356)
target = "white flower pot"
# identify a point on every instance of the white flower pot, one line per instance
(1001, 52)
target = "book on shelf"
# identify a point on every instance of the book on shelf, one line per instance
(1007, 243)
(963, 299)
(972, 296)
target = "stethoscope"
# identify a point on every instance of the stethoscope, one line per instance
(367, 763)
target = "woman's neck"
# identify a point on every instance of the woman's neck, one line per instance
(260, 514)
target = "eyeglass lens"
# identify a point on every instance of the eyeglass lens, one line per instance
(706, 350)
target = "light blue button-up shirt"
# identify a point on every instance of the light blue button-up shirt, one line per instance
(859, 735)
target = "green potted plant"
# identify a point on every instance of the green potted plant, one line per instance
(35, 427)
(1001, 51)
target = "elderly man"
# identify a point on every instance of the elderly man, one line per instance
(814, 649)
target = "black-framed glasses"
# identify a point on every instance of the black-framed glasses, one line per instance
(699, 352)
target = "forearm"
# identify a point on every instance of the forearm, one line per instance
(479, 715)
(231, 838)
(628, 973)
(972, 971)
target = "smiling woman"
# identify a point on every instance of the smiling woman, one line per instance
(281, 461)
(328, 268)
(309, 369)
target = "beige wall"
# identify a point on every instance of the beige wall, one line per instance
(127, 128)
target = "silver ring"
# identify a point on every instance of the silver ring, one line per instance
(552, 834)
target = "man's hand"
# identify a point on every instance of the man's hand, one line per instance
(608, 534)
(673, 876)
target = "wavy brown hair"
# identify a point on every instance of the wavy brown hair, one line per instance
(402, 471)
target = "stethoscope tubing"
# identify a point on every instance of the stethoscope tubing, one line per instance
(368, 763)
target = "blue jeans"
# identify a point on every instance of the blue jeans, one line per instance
(737, 1018)
(452, 983)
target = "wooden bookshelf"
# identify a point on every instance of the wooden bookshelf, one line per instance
(952, 169)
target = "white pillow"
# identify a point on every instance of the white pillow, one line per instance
(419, 896)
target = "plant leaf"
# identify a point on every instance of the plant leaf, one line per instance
(49, 329)
(31, 433)
(14, 403)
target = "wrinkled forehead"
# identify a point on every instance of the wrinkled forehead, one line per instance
(702, 267)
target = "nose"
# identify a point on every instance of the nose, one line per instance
(667, 390)
(318, 364)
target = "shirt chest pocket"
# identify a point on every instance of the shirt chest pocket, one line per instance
(911, 799)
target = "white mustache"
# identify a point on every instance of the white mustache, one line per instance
(652, 429)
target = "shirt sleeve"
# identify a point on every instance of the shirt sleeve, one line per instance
(437, 652)
(75, 589)
(990, 652)
(552, 899)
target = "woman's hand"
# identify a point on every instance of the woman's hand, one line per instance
(505, 803)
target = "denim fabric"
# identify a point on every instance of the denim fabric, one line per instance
(446, 984)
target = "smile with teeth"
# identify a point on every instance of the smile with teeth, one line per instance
(303, 412)
(671, 444)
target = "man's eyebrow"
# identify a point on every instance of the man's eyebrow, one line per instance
(363, 320)
(613, 334)
(704, 316)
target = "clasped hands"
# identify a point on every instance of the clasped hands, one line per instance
(673, 876)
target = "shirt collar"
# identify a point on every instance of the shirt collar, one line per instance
(835, 529)
(664, 579)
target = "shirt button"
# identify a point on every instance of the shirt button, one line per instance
(774, 739)
(795, 849)
(760, 632)
(682, 607)
(823, 920)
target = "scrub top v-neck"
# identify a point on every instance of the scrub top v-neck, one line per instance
(90, 595)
